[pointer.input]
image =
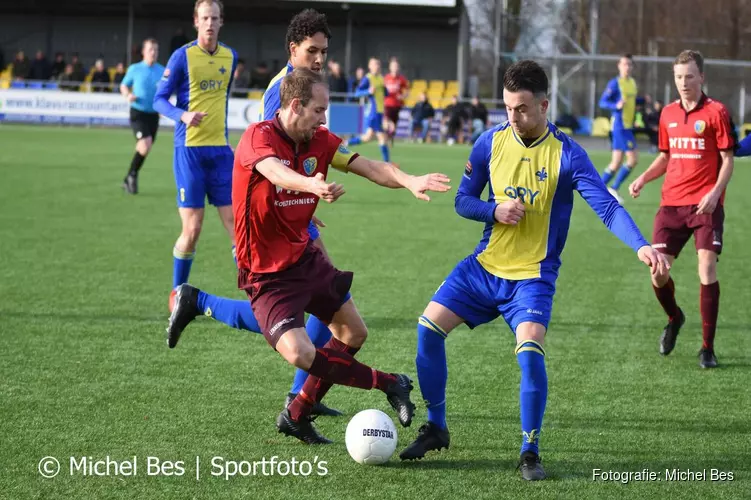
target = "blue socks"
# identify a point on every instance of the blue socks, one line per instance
(235, 313)
(385, 152)
(181, 263)
(354, 141)
(432, 370)
(533, 392)
(607, 175)
(623, 172)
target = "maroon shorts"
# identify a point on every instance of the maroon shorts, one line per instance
(392, 113)
(675, 225)
(281, 299)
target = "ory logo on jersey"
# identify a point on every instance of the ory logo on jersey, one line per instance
(310, 165)
(525, 195)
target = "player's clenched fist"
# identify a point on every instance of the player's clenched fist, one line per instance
(635, 188)
(509, 212)
(327, 192)
(192, 118)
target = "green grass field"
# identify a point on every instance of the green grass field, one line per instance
(85, 272)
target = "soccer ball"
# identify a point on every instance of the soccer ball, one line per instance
(371, 437)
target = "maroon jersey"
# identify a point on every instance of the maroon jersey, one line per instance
(693, 140)
(395, 85)
(271, 223)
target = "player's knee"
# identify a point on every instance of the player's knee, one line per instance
(358, 334)
(192, 230)
(301, 355)
(707, 270)
(660, 279)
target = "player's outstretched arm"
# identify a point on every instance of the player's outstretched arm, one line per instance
(656, 170)
(387, 175)
(286, 178)
(588, 183)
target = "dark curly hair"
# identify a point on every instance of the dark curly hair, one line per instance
(306, 24)
(526, 75)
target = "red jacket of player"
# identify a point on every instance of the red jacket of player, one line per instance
(271, 223)
(693, 140)
(395, 86)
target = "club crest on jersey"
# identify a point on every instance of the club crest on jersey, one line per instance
(310, 165)
(699, 126)
(541, 174)
(468, 170)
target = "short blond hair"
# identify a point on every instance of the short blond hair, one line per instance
(210, 2)
(687, 56)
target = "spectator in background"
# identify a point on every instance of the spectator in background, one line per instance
(452, 122)
(178, 40)
(260, 77)
(40, 67)
(422, 116)
(652, 124)
(79, 72)
(337, 82)
(58, 65)
(355, 82)
(100, 79)
(21, 66)
(478, 113)
(67, 79)
(117, 78)
(241, 80)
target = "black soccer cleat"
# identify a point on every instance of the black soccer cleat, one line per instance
(185, 311)
(304, 430)
(531, 468)
(707, 359)
(670, 333)
(429, 437)
(130, 184)
(319, 408)
(398, 397)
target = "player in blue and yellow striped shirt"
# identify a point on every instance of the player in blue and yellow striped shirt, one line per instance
(200, 73)
(532, 170)
(620, 99)
(373, 87)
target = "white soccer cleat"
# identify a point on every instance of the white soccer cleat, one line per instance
(615, 195)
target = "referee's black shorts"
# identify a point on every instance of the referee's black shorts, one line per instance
(144, 124)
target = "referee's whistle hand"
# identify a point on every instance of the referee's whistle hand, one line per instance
(509, 212)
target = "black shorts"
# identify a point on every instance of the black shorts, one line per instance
(392, 113)
(280, 299)
(144, 124)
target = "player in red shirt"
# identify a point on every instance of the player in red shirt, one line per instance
(397, 86)
(279, 176)
(696, 141)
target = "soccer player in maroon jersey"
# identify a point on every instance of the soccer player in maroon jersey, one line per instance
(397, 86)
(696, 141)
(279, 176)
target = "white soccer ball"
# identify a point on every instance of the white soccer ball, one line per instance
(371, 437)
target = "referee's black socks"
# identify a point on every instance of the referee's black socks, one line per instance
(136, 164)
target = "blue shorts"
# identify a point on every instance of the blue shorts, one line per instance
(374, 121)
(203, 171)
(479, 297)
(624, 140)
(313, 231)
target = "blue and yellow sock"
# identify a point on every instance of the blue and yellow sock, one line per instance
(533, 392)
(607, 175)
(319, 334)
(623, 172)
(354, 141)
(181, 263)
(235, 313)
(385, 152)
(234, 254)
(432, 370)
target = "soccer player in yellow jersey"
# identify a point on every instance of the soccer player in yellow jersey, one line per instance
(373, 87)
(620, 98)
(532, 170)
(200, 73)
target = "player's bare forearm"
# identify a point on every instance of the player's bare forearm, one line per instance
(284, 177)
(657, 169)
(379, 172)
(726, 170)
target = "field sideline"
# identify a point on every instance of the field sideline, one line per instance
(85, 272)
